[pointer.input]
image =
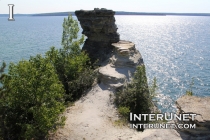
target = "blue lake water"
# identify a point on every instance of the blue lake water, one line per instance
(175, 49)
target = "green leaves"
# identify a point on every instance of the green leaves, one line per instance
(135, 97)
(2, 67)
(71, 63)
(34, 100)
(189, 91)
(2, 75)
(70, 33)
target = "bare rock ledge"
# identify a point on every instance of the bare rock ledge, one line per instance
(201, 107)
(121, 66)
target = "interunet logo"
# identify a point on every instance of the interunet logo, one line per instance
(161, 117)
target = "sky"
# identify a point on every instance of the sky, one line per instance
(47, 6)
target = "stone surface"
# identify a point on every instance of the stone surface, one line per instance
(201, 107)
(125, 55)
(120, 68)
(99, 27)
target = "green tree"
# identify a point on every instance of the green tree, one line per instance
(70, 42)
(33, 101)
(71, 63)
(2, 91)
(136, 97)
(2, 75)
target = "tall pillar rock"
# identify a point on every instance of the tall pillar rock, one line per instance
(101, 31)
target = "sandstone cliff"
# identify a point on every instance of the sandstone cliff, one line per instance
(99, 26)
(118, 59)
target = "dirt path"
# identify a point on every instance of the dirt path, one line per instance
(92, 118)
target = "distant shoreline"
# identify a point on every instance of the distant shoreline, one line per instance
(116, 13)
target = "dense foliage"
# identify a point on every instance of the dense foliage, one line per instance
(34, 92)
(72, 65)
(135, 97)
(31, 100)
(1, 96)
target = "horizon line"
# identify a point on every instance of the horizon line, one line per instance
(115, 11)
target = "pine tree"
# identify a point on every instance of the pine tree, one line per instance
(71, 63)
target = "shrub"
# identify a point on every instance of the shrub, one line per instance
(33, 101)
(2, 75)
(124, 111)
(135, 97)
(189, 91)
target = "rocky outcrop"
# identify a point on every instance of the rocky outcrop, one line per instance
(99, 27)
(125, 55)
(201, 107)
(103, 44)
(121, 66)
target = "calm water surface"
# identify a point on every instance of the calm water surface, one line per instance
(175, 49)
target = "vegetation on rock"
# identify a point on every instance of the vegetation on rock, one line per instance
(135, 97)
(189, 91)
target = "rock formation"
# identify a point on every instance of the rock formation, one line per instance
(103, 44)
(201, 107)
(121, 65)
(99, 26)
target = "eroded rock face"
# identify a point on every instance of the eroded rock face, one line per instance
(125, 55)
(201, 107)
(120, 68)
(99, 26)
